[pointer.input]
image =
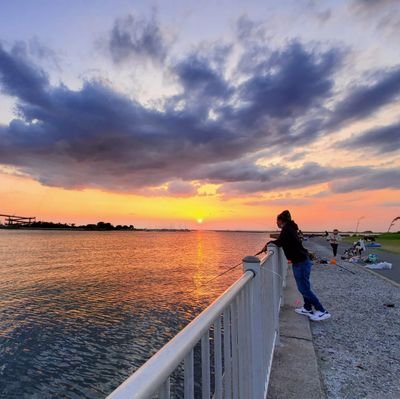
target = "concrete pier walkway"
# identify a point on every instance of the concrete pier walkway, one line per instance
(353, 355)
(295, 370)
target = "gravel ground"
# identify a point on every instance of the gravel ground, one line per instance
(358, 348)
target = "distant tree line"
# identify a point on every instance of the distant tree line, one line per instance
(100, 226)
(107, 226)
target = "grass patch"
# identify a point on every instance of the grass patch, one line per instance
(389, 245)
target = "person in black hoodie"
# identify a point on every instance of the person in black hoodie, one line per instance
(294, 251)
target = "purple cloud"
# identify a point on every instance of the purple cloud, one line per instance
(213, 131)
(381, 140)
(137, 39)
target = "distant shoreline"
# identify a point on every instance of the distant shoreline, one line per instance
(2, 227)
(273, 233)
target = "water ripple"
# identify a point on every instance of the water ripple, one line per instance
(80, 311)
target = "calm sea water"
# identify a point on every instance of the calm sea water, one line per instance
(80, 311)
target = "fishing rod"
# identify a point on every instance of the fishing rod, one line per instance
(221, 274)
(344, 268)
(337, 264)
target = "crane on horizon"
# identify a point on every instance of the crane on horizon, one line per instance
(18, 220)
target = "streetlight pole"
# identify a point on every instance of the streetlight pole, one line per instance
(358, 222)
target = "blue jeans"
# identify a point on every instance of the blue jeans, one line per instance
(301, 272)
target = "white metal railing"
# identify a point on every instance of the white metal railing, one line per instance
(237, 333)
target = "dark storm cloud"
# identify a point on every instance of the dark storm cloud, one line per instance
(98, 138)
(383, 140)
(95, 137)
(21, 79)
(364, 100)
(304, 133)
(236, 171)
(292, 81)
(254, 41)
(39, 51)
(133, 38)
(344, 179)
(196, 74)
(369, 180)
(213, 131)
(203, 84)
(265, 179)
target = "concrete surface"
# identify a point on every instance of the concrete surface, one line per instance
(357, 349)
(385, 256)
(295, 372)
(353, 355)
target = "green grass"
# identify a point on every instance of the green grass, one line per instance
(389, 245)
(389, 236)
(390, 242)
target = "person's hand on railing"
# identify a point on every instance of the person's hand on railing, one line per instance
(266, 245)
(263, 250)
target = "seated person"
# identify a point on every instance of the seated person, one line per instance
(360, 246)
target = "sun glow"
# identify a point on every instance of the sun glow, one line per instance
(199, 221)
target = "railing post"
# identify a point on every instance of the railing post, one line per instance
(256, 337)
(283, 263)
(280, 272)
(276, 286)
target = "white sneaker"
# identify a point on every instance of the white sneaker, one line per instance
(304, 311)
(318, 315)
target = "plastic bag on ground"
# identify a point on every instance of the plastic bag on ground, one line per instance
(380, 265)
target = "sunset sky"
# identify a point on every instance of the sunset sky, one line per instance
(172, 113)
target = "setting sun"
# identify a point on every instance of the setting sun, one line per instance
(200, 221)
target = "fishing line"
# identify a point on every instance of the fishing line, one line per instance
(271, 271)
(215, 277)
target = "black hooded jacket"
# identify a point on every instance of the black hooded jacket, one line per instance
(290, 241)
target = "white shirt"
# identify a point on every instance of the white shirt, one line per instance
(334, 238)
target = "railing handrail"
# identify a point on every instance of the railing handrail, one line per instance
(146, 380)
(248, 311)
